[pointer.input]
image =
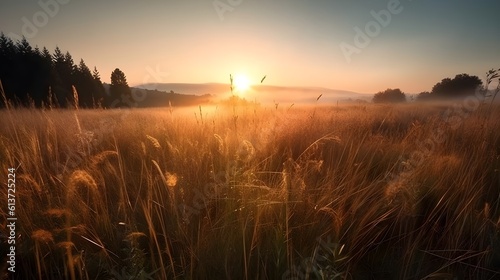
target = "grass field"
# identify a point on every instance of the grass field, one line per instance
(340, 192)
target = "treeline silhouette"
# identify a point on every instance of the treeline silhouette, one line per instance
(34, 77)
(462, 85)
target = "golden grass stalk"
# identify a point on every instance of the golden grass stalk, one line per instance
(4, 97)
(41, 236)
(75, 98)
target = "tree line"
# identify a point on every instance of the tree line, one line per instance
(462, 85)
(34, 77)
(31, 76)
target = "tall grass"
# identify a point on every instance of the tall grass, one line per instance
(160, 195)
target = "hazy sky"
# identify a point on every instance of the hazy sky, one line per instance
(294, 42)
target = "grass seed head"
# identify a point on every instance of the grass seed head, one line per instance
(81, 179)
(134, 236)
(154, 141)
(103, 157)
(42, 236)
(57, 213)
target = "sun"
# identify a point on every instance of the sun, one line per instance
(241, 83)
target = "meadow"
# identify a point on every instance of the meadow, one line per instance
(254, 192)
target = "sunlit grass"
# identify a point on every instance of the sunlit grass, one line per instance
(246, 192)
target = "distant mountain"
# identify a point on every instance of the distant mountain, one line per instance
(185, 88)
(159, 98)
(263, 93)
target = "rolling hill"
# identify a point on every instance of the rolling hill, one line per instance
(261, 93)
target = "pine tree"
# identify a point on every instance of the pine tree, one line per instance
(96, 75)
(25, 72)
(7, 62)
(48, 67)
(119, 90)
(99, 91)
(65, 76)
(40, 78)
(71, 69)
(84, 85)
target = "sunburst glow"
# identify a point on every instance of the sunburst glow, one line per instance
(241, 83)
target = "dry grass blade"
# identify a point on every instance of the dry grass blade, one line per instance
(4, 97)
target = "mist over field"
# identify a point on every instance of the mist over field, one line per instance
(266, 94)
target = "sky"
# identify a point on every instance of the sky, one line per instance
(362, 46)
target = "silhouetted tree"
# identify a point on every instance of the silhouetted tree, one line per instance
(8, 66)
(100, 92)
(23, 68)
(70, 68)
(96, 75)
(47, 67)
(62, 86)
(120, 93)
(424, 96)
(7, 56)
(461, 85)
(84, 84)
(40, 73)
(389, 96)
